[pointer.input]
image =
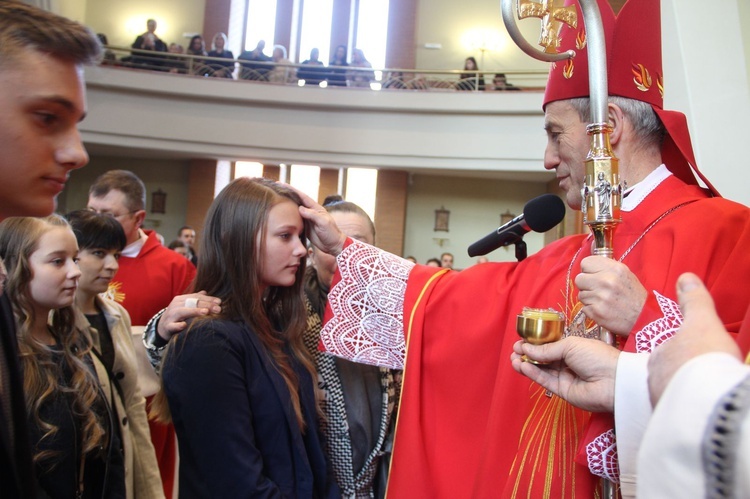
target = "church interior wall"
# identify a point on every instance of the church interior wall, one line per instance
(475, 207)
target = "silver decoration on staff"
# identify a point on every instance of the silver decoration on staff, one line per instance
(602, 191)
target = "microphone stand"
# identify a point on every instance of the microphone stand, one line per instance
(521, 252)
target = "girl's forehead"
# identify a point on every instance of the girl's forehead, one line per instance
(57, 236)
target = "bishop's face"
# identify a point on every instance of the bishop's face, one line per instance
(567, 147)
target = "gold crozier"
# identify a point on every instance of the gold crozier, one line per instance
(553, 15)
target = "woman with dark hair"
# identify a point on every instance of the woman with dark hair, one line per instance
(240, 384)
(470, 79)
(76, 441)
(100, 241)
(433, 262)
(337, 67)
(196, 47)
(359, 399)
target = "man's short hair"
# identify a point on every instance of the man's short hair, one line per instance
(124, 181)
(184, 227)
(24, 27)
(446, 254)
(646, 124)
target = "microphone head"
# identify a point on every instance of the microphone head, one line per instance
(544, 212)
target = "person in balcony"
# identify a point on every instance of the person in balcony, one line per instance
(149, 40)
(314, 72)
(109, 55)
(470, 78)
(175, 63)
(337, 67)
(257, 68)
(197, 47)
(218, 49)
(282, 71)
(500, 82)
(360, 78)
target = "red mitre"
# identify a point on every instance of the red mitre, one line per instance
(634, 71)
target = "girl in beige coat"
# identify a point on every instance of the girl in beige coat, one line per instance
(100, 241)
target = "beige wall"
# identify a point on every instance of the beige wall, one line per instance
(475, 206)
(168, 175)
(73, 9)
(706, 68)
(744, 11)
(455, 24)
(122, 21)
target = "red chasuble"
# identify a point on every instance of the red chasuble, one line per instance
(147, 283)
(469, 426)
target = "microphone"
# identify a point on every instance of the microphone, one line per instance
(540, 215)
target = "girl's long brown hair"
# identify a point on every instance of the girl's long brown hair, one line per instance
(19, 238)
(229, 267)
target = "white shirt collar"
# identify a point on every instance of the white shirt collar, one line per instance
(633, 196)
(132, 249)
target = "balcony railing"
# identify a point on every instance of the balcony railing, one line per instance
(322, 76)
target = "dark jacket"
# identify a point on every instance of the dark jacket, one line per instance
(16, 468)
(237, 432)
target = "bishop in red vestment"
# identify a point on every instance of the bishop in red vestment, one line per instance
(469, 426)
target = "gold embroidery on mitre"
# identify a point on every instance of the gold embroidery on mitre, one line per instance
(660, 84)
(113, 292)
(581, 39)
(641, 77)
(568, 69)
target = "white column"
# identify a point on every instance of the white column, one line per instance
(706, 77)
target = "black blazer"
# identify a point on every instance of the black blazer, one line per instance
(237, 433)
(16, 468)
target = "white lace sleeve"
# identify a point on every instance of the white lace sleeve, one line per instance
(662, 329)
(367, 305)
